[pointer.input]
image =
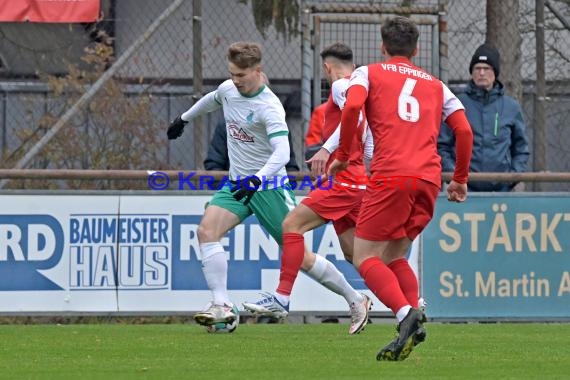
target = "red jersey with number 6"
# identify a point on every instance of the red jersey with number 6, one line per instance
(404, 103)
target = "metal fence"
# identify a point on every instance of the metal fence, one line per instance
(539, 49)
(164, 55)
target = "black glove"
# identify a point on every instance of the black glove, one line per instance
(245, 188)
(176, 128)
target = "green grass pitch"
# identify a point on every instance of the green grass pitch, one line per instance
(283, 351)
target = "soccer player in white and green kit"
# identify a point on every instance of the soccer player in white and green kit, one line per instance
(258, 150)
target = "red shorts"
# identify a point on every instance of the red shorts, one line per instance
(339, 204)
(391, 213)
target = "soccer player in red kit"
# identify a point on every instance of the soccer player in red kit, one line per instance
(404, 107)
(338, 202)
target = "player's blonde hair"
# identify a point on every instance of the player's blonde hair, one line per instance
(245, 54)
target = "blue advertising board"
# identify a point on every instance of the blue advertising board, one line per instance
(498, 257)
(140, 253)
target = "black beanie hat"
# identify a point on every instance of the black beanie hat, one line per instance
(486, 54)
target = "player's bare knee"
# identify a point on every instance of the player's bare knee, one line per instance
(308, 260)
(356, 263)
(290, 224)
(357, 259)
(206, 234)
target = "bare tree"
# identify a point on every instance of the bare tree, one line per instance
(282, 14)
(503, 32)
(116, 131)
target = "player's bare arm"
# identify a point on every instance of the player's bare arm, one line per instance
(337, 166)
(318, 162)
(456, 192)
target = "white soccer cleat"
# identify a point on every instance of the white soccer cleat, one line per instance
(216, 314)
(268, 305)
(359, 315)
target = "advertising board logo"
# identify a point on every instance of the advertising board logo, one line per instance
(250, 250)
(127, 252)
(30, 245)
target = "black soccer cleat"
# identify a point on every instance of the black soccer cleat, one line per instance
(421, 333)
(411, 333)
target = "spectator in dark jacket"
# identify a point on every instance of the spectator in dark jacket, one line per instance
(499, 140)
(217, 158)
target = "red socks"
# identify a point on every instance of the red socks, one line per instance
(383, 283)
(291, 261)
(407, 280)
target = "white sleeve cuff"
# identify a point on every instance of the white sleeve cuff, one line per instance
(332, 143)
(368, 145)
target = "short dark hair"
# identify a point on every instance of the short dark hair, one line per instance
(244, 54)
(339, 51)
(400, 36)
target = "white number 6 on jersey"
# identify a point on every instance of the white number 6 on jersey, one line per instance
(408, 106)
